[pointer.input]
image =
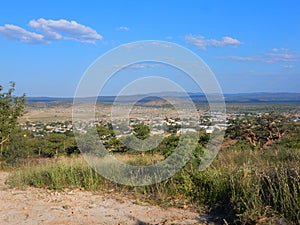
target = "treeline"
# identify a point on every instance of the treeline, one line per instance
(23, 144)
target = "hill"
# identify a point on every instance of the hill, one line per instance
(196, 97)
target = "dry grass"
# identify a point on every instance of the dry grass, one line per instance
(139, 159)
(240, 187)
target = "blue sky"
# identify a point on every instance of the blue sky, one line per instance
(251, 46)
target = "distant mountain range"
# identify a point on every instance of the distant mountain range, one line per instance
(196, 97)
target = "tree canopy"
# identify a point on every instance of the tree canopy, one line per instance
(141, 131)
(11, 109)
(260, 131)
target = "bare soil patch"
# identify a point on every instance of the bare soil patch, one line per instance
(41, 206)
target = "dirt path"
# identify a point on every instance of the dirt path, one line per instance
(40, 206)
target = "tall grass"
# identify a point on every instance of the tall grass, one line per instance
(64, 173)
(242, 187)
(272, 192)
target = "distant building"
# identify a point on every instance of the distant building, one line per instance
(185, 130)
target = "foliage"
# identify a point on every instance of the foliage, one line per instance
(11, 109)
(65, 173)
(109, 139)
(261, 130)
(105, 132)
(141, 131)
(18, 148)
(168, 145)
(239, 187)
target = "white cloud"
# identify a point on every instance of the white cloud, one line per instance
(202, 43)
(13, 32)
(147, 65)
(123, 28)
(280, 50)
(280, 57)
(137, 66)
(161, 44)
(288, 66)
(66, 30)
(275, 56)
(229, 41)
(242, 58)
(51, 30)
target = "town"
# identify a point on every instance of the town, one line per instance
(161, 121)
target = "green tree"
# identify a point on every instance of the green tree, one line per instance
(18, 148)
(141, 131)
(261, 130)
(105, 132)
(11, 109)
(168, 145)
(55, 144)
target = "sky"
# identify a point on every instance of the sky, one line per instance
(250, 46)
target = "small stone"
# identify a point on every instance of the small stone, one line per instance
(66, 206)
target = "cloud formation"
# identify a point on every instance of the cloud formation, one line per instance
(276, 55)
(67, 30)
(123, 28)
(13, 32)
(201, 42)
(51, 30)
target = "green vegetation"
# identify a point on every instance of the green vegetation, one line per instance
(260, 130)
(11, 109)
(255, 178)
(242, 186)
(141, 131)
(24, 145)
(64, 173)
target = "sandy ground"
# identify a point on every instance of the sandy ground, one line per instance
(40, 206)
